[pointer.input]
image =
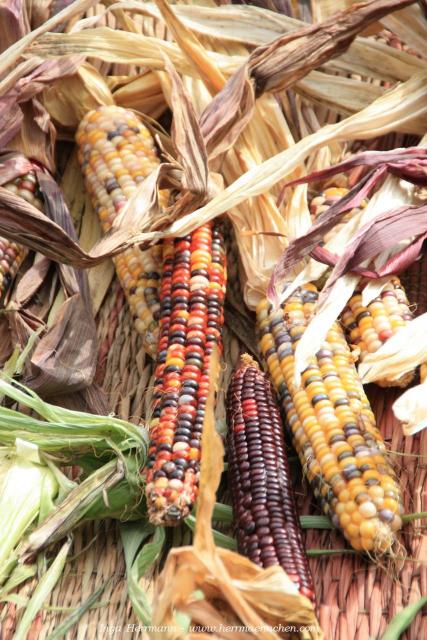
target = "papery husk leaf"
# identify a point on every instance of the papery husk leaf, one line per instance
(376, 236)
(123, 47)
(409, 163)
(411, 409)
(13, 116)
(323, 9)
(374, 59)
(56, 365)
(282, 63)
(14, 23)
(314, 88)
(252, 26)
(189, 44)
(188, 141)
(234, 589)
(343, 95)
(304, 244)
(143, 93)
(406, 349)
(11, 55)
(266, 134)
(410, 26)
(68, 100)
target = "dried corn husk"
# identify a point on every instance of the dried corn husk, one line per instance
(411, 409)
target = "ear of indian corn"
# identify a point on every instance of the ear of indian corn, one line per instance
(414, 279)
(116, 152)
(333, 427)
(12, 254)
(368, 327)
(266, 520)
(191, 320)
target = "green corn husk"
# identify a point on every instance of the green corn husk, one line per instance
(28, 487)
(73, 437)
(115, 490)
(38, 504)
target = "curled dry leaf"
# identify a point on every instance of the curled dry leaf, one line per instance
(217, 587)
(280, 64)
(55, 365)
(18, 97)
(12, 54)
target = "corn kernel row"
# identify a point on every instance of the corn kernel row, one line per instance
(266, 520)
(332, 424)
(116, 153)
(191, 320)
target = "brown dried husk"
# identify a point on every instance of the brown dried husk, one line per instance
(355, 600)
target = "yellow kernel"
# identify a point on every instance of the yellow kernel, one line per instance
(351, 507)
(367, 529)
(344, 496)
(352, 530)
(345, 520)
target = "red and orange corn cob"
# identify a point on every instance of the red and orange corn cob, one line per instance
(11, 254)
(191, 320)
(333, 427)
(116, 153)
(266, 520)
(368, 327)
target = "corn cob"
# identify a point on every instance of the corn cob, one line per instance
(11, 254)
(267, 526)
(332, 424)
(414, 279)
(368, 327)
(191, 319)
(116, 152)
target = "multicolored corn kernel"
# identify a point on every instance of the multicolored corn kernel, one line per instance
(332, 424)
(321, 203)
(11, 254)
(192, 295)
(266, 520)
(368, 327)
(116, 152)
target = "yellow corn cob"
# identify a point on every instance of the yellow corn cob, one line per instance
(116, 153)
(333, 427)
(12, 254)
(368, 327)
